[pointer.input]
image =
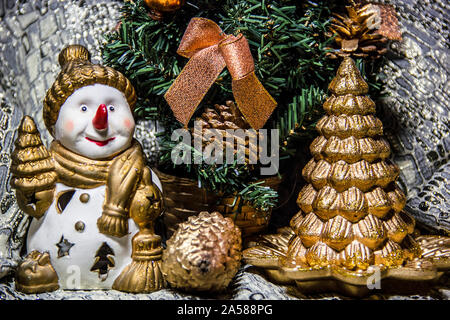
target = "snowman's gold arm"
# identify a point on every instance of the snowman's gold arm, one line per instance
(33, 174)
(144, 274)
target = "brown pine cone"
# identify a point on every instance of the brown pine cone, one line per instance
(224, 117)
(357, 33)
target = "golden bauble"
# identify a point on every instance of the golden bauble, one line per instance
(163, 6)
(203, 254)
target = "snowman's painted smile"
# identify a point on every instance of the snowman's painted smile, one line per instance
(100, 143)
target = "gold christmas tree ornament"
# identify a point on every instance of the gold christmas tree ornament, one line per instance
(351, 223)
(34, 176)
(203, 254)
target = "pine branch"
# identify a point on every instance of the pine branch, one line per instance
(288, 41)
(229, 179)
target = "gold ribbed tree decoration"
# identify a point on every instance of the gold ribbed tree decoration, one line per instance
(351, 210)
(33, 172)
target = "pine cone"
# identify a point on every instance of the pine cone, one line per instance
(33, 174)
(203, 254)
(357, 33)
(224, 117)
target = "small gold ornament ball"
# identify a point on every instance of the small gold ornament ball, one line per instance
(164, 5)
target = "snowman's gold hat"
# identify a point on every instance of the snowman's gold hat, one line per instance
(78, 71)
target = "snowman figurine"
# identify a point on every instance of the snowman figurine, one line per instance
(92, 198)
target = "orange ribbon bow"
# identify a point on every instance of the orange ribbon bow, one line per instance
(210, 50)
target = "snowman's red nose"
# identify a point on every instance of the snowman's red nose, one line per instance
(100, 120)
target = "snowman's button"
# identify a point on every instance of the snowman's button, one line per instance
(84, 197)
(79, 226)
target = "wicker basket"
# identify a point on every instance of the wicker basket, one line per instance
(183, 198)
(248, 219)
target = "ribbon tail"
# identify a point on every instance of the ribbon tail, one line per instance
(253, 100)
(194, 81)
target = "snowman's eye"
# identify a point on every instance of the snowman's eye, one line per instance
(111, 108)
(83, 108)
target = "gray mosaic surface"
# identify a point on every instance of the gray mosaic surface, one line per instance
(415, 115)
(245, 286)
(416, 112)
(249, 284)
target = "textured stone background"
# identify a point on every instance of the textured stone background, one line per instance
(415, 114)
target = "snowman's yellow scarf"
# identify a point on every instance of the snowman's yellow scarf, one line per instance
(121, 175)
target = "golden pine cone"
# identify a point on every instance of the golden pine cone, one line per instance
(203, 254)
(356, 33)
(224, 117)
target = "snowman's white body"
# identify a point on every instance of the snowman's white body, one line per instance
(95, 122)
(74, 269)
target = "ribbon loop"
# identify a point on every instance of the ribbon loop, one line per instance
(237, 56)
(210, 50)
(200, 33)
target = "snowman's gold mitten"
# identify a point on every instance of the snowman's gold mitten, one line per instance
(123, 178)
(144, 274)
(33, 171)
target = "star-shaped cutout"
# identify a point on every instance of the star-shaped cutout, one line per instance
(64, 247)
(33, 199)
